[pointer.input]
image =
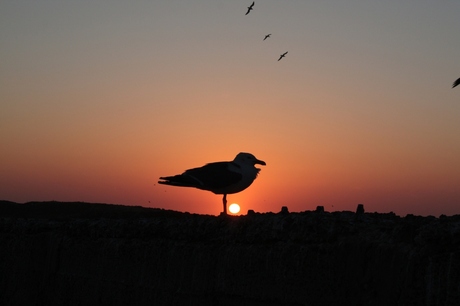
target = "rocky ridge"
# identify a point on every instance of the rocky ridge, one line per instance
(55, 253)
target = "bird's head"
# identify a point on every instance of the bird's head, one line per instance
(248, 159)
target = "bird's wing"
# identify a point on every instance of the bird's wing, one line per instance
(457, 82)
(252, 4)
(214, 175)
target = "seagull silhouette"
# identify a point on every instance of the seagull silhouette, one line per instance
(250, 8)
(282, 55)
(457, 82)
(267, 36)
(223, 177)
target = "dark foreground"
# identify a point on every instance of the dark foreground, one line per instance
(93, 254)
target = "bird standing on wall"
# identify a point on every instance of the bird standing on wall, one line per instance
(223, 177)
(250, 8)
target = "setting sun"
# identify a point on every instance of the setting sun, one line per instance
(234, 208)
(381, 137)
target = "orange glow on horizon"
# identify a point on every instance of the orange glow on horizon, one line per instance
(98, 111)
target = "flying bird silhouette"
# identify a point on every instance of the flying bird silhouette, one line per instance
(267, 36)
(223, 177)
(457, 82)
(250, 8)
(282, 55)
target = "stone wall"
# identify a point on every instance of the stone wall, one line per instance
(93, 254)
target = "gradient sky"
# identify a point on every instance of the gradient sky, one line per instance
(100, 98)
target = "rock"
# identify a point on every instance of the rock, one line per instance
(284, 210)
(94, 254)
(319, 209)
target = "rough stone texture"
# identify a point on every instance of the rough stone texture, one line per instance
(93, 254)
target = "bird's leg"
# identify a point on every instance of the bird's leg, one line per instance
(224, 201)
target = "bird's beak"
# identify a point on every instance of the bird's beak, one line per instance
(260, 162)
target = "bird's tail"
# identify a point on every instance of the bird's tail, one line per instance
(180, 180)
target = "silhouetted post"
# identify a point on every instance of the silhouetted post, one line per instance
(284, 210)
(319, 209)
(360, 209)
